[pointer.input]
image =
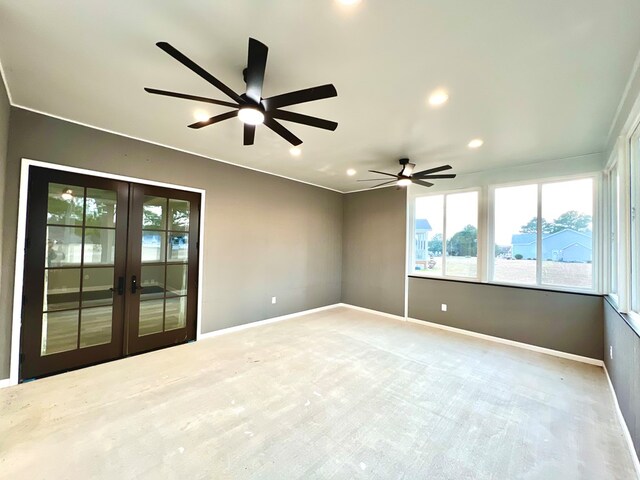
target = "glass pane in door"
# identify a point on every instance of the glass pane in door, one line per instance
(79, 268)
(164, 257)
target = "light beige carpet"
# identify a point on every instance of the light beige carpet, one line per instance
(338, 394)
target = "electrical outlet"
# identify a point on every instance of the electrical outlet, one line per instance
(611, 351)
(444, 307)
(273, 300)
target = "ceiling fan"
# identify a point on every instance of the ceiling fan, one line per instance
(406, 176)
(250, 107)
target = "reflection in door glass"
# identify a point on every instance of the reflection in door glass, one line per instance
(178, 247)
(64, 246)
(59, 332)
(179, 214)
(152, 246)
(65, 204)
(62, 289)
(176, 313)
(154, 213)
(151, 317)
(95, 326)
(99, 246)
(101, 208)
(96, 285)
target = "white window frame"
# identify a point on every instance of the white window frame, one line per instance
(634, 224)
(412, 232)
(596, 241)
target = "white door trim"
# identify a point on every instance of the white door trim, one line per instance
(16, 324)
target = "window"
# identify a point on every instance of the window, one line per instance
(446, 235)
(614, 202)
(543, 234)
(635, 224)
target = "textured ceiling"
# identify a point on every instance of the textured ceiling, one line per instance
(536, 80)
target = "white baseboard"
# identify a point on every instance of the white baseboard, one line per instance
(5, 382)
(267, 321)
(513, 343)
(368, 310)
(623, 424)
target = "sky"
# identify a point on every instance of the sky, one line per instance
(514, 207)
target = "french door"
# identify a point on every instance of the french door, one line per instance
(110, 270)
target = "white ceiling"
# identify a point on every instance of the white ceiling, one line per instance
(537, 80)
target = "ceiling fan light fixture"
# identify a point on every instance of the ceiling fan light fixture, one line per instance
(404, 182)
(438, 98)
(67, 194)
(251, 116)
(476, 143)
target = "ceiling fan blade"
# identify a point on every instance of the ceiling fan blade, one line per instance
(385, 183)
(304, 119)
(424, 184)
(446, 175)
(155, 91)
(300, 96)
(370, 180)
(256, 66)
(216, 119)
(282, 131)
(249, 134)
(384, 173)
(194, 67)
(434, 170)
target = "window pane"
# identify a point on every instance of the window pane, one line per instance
(567, 240)
(62, 289)
(179, 214)
(96, 326)
(178, 247)
(154, 213)
(64, 246)
(428, 234)
(176, 313)
(101, 208)
(152, 282)
(96, 285)
(613, 230)
(65, 204)
(515, 230)
(151, 317)
(177, 280)
(462, 235)
(59, 332)
(153, 246)
(99, 246)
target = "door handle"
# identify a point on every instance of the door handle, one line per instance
(135, 286)
(120, 288)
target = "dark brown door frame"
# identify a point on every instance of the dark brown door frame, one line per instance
(32, 363)
(35, 228)
(135, 343)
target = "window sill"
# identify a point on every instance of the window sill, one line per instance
(543, 288)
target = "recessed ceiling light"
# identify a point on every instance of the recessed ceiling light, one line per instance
(251, 116)
(295, 151)
(201, 116)
(437, 98)
(476, 143)
(351, 172)
(349, 2)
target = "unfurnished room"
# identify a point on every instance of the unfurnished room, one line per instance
(320, 239)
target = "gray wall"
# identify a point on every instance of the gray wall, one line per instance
(624, 368)
(373, 249)
(264, 235)
(566, 322)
